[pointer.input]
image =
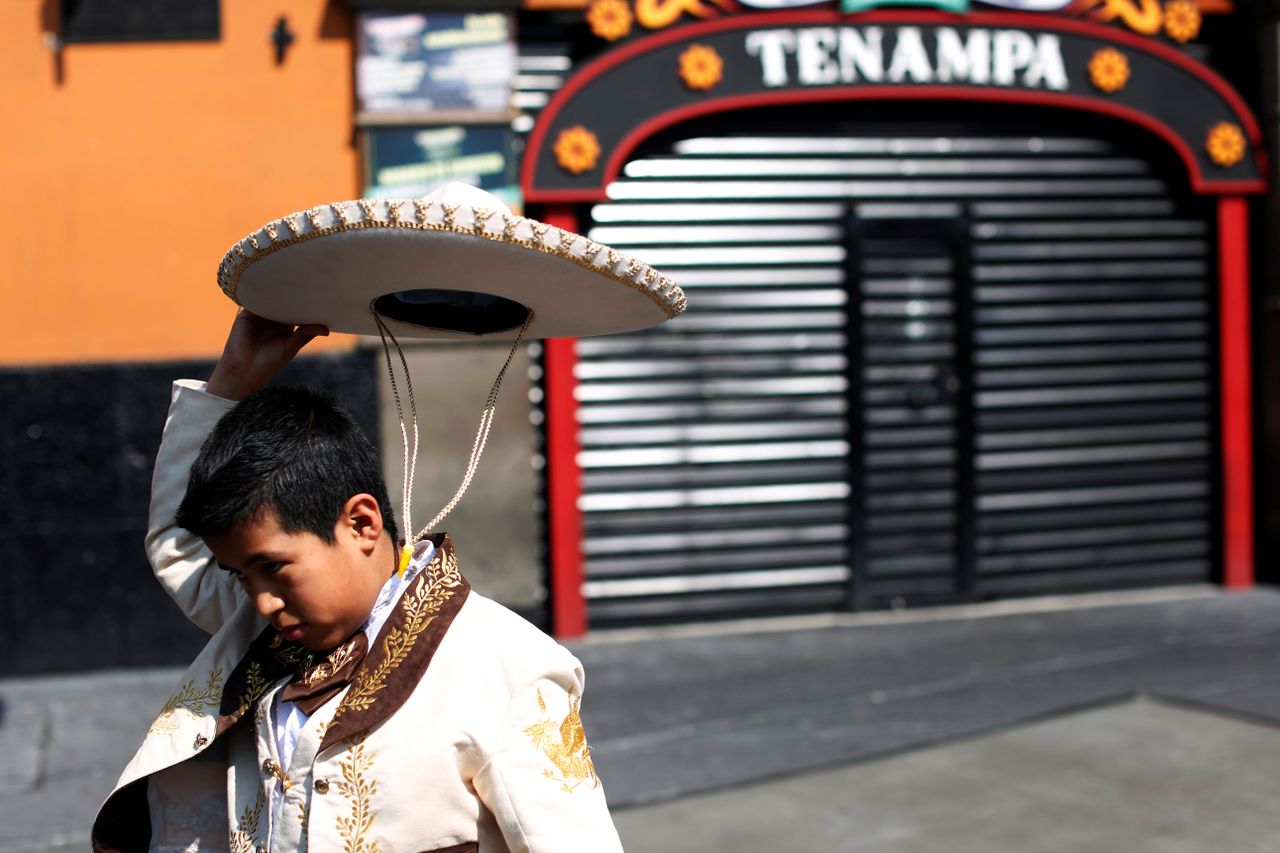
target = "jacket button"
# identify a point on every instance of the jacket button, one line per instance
(268, 767)
(201, 740)
(322, 786)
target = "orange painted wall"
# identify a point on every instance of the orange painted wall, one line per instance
(126, 183)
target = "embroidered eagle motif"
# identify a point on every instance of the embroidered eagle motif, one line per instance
(565, 744)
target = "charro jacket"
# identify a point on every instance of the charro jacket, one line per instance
(460, 731)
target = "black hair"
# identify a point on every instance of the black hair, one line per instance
(289, 450)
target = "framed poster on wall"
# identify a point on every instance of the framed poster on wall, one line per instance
(406, 162)
(432, 62)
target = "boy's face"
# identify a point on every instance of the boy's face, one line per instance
(313, 592)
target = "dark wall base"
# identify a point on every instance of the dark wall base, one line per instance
(77, 445)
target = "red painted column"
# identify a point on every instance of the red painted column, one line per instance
(564, 479)
(1237, 392)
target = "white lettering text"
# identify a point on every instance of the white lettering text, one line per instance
(825, 56)
(964, 60)
(772, 46)
(910, 58)
(863, 49)
(814, 63)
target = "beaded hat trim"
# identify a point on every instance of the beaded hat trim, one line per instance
(427, 215)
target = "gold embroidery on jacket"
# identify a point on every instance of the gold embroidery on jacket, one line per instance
(337, 659)
(191, 699)
(254, 686)
(359, 786)
(419, 611)
(565, 743)
(246, 831)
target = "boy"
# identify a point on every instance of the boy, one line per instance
(339, 705)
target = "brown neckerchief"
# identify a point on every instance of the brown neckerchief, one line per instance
(391, 668)
(321, 679)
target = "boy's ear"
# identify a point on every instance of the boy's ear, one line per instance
(361, 518)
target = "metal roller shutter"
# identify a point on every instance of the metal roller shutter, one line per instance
(917, 367)
(1093, 396)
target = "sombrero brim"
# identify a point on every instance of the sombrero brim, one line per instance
(441, 269)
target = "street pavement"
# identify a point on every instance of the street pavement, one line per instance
(1125, 721)
(1140, 776)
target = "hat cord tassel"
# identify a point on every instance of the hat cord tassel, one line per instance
(411, 459)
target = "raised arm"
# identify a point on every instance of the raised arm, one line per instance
(255, 350)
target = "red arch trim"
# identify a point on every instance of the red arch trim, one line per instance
(848, 93)
(648, 128)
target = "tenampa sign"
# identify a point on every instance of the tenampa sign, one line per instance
(826, 56)
(628, 94)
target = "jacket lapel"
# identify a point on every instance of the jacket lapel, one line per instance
(268, 659)
(404, 647)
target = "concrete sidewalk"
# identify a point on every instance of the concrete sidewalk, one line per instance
(1140, 776)
(990, 727)
(671, 716)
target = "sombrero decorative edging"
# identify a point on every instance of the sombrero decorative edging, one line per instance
(454, 264)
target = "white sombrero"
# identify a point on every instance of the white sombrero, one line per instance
(455, 264)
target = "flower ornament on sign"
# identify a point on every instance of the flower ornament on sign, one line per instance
(577, 150)
(1225, 144)
(1181, 20)
(609, 19)
(1109, 70)
(701, 68)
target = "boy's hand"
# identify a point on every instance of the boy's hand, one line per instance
(256, 349)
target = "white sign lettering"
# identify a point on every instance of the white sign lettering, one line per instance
(815, 64)
(910, 59)
(772, 46)
(961, 61)
(862, 52)
(823, 56)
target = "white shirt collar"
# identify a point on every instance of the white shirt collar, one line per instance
(394, 588)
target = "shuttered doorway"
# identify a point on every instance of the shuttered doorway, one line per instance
(919, 366)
